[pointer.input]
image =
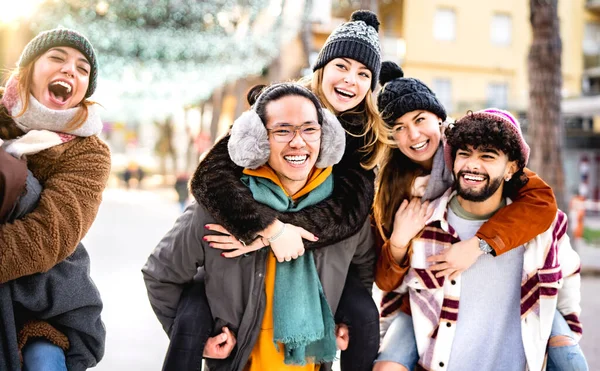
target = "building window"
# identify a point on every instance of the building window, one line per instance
(501, 29)
(497, 95)
(444, 25)
(443, 90)
(591, 45)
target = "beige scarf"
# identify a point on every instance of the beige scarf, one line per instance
(44, 128)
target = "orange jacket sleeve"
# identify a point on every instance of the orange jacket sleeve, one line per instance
(531, 213)
(388, 273)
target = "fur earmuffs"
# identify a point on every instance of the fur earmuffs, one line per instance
(249, 141)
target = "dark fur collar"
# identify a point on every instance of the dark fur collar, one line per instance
(216, 184)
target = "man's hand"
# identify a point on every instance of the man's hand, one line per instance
(220, 346)
(342, 336)
(456, 259)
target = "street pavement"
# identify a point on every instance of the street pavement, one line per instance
(130, 224)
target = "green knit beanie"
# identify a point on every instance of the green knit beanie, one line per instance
(62, 37)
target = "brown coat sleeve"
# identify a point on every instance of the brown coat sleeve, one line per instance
(388, 273)
(13, 174)
(73, 176)
(531, 213)
(42, 329)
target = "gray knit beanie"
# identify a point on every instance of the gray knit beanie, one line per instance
(356, 39)
(62, 37)
(400, 95)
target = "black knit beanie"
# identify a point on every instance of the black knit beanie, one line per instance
(400, 95)
(62, 37)
(356, 39)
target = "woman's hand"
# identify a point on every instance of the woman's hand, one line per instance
(286, 240)
(229, 242)
(419, 186)
(409, 220)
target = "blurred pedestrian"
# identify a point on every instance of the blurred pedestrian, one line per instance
(47, 118)
(133, 173)
(181, 187)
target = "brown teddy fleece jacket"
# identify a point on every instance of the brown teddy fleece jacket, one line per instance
(73, 176)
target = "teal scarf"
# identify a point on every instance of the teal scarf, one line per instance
(304, 325)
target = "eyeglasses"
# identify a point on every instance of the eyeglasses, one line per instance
(287, 133)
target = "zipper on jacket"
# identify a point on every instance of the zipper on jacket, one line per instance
(261, 270)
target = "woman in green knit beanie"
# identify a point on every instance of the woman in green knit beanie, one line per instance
(46, 117)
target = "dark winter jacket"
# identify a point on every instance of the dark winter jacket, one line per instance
(216, 185)
(62, 305)
(235, 287)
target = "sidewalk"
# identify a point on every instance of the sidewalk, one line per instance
(590, 258)
(589, 253)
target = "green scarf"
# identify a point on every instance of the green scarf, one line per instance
(304, 325)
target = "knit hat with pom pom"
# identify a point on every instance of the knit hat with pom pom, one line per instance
(400, 95)
(356, 39)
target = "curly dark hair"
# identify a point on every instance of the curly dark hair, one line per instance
(485, 132)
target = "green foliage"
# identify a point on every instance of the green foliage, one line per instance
(591, 236)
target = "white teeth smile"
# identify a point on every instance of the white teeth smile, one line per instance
(64, 85)
(419, 146)
(345, 93)
(296, 160)
(475, 178)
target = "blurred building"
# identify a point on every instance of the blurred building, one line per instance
(582, 113)
(473, 54)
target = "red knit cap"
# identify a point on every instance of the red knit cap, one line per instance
(496, 114)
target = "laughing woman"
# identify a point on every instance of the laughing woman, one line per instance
(47, 119)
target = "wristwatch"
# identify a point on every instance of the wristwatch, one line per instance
(484, 246)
